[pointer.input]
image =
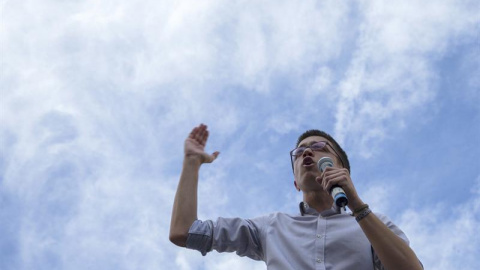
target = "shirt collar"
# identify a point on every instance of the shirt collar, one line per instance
(306, 209)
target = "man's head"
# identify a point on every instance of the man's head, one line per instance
(314, 132)
(310, 147)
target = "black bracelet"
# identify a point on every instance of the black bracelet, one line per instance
(360, 209)
(363, 214)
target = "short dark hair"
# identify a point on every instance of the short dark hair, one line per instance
(315, 132)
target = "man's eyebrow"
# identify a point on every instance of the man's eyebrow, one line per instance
(303, 144)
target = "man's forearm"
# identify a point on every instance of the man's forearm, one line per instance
(393, 252)
(184, 211)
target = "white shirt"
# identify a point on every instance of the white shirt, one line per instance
(327, 240)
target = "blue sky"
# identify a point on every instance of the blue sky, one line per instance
(97, 98)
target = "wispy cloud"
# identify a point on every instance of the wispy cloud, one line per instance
(454, 225)
(392, 71)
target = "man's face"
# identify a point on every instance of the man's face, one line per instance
(305, 166)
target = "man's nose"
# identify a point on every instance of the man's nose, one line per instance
(308, 152)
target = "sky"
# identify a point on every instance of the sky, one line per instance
(97, 98)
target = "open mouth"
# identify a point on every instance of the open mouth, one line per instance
(308, 161)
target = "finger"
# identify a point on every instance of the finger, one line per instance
(193, 133)
(205, 137)
(339, 180)
(203, 131)
(328, 176)
(320, 179)
(331, 169)
(333, 174)
(199, 134)
(212, 157)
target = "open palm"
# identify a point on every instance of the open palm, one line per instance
(195, 145)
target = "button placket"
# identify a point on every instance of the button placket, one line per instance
(320, 243)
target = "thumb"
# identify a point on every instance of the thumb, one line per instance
(212, 157)
(319, 180)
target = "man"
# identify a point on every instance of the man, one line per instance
(319, 237)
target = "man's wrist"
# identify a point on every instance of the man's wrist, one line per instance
(192, 161)
(360, 209)
(365, 212)
(355, 204)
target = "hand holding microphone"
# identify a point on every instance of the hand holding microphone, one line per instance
(338, 194)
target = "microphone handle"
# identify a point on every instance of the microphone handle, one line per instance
(339, 196)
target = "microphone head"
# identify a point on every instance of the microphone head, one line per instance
(324, 163)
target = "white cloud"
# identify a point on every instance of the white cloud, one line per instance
(230, 261)
(444, 236)
(390, 73)
(378, 197)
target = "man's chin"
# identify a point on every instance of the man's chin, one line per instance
(310, 176)
(309, 180)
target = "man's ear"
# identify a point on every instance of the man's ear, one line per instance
(295, 184)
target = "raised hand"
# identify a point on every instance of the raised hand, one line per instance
(195, 145)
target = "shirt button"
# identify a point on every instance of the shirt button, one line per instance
(319, 236)
(319, 260)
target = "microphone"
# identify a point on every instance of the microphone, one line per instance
(336, 191)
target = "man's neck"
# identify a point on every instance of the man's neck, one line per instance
(318, 200)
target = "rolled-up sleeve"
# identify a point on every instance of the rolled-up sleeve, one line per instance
(244, 236)
(200, 236)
